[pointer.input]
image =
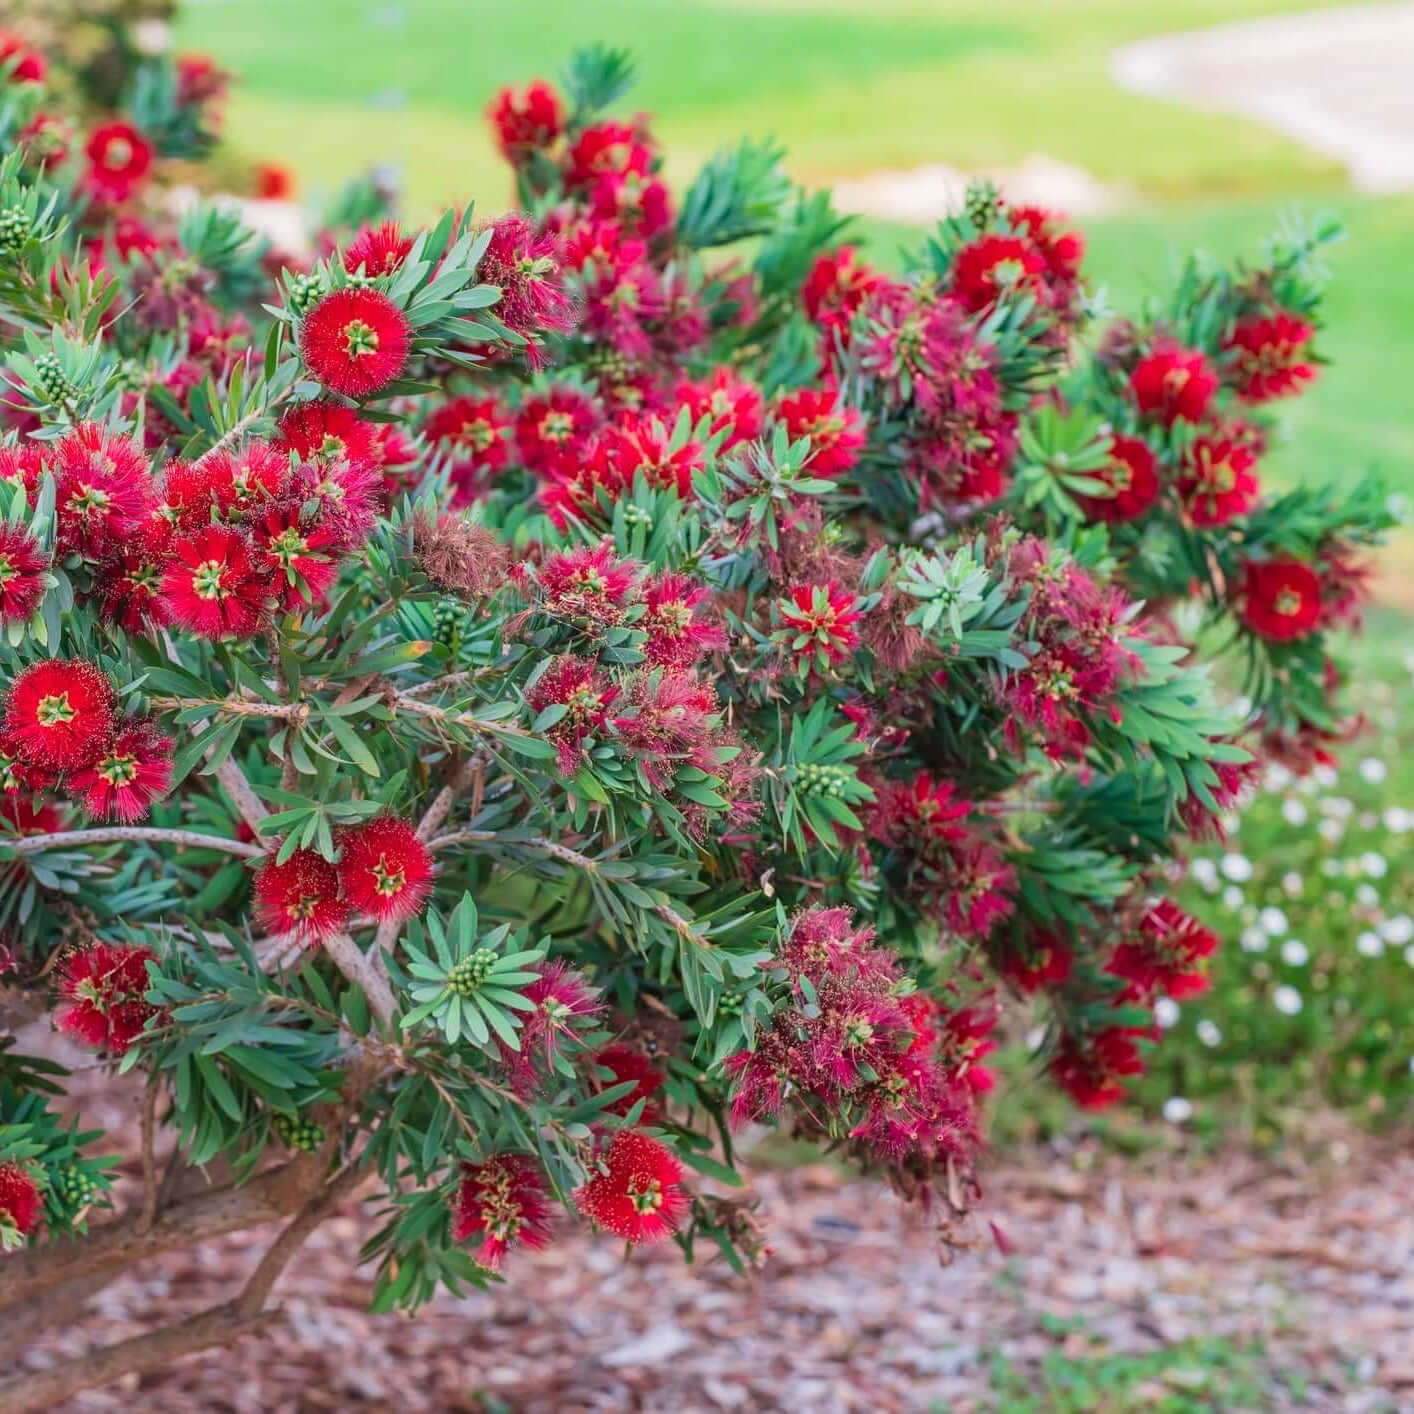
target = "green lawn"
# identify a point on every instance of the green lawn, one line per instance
(331, 85)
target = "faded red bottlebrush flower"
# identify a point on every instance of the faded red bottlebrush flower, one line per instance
(119, 160)
(1270, 356)
(1217, 480)
(384, 869)
(102, 988)
(591, 586)
(837, 432)
(326, 433)
(1235, 779)
(819, 625)
(199, 79)
(553, 429)
(1132, 476)
(733, 404)
(1280, 599)
(521, 259)
(300, 896)
(835, 288)
(993, 268)
(133, 770)
(525, 118)
(20, 1202)
(625, 1064)
(103, 491)
(23, 567)
(1172, 383)
(634, 1189)
(501, 1203)
(19, 62)
(215, 585)
(355, 341)
(457, 555)
(59, 713)
(1036, 960)
(377, 250)
(1092, 1068)
(677, 620)
(642, 205)
(1166, 954)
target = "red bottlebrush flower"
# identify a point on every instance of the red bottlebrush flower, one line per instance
(1217, 480)
(45, 141)
(103, 491)
(248, 479)
(521, 260)
(819, 622)
(611, 147)
(300, 896)
(1345, 584)
(1037, 960)
(676, 622)
(643, 448)
(1167, 954)
(1280, 599)
(526, 118)
(501, 1203)
(1092, 1068)
(563, 1004)
(641, 205)
(1172, 383)
(326, 433)
(103, 989)
(624, 296)
(734, 405)
(355, 341)
(474, 431)
(214, 585)
(385, 869)
(133, 770)
(590, 586)
(1063, 250)
(23, 567)
(274, 182)
(1269, 356)
(624, 1063)
(1234, 780)
(668, 720)
(199, 79)
(378, 250)
(302, 555)
(824, 942)
(119, 160)
(837, 432)
(60, 713)
(347, 496)
(919, 810)
(20, 1200)
(19, 63)
(835, 288)
(17, 774)
(993, 268)
(553, 430)
(634, 1190)
(130, 584)
(1132, 476)
(574, 683)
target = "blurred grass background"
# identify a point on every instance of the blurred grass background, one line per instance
(332, 87)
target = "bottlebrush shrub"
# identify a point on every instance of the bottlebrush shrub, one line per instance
(495, 708)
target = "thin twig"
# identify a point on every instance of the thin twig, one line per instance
(237, 707)
(148, 1214)
(112, 834)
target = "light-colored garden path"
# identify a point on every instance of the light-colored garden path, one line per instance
(1340, 80)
